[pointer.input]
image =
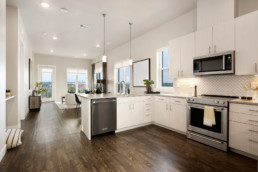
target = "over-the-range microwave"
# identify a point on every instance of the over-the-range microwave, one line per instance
(216, 64)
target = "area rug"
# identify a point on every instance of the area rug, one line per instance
(65, 106)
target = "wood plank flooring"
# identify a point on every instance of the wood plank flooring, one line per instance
(52, 141)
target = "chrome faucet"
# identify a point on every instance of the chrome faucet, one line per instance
(122, 91)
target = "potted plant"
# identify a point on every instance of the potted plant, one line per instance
(148, 84)
(98, 90)
(39, 89)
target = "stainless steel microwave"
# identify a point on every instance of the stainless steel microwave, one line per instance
(216, 64)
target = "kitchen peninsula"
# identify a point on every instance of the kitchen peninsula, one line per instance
(134, 111)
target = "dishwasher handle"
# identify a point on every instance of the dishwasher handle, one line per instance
(103, 101)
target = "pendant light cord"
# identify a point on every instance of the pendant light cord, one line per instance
(104, 15)
(130, 40)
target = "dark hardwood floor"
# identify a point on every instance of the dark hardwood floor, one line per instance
(52, 141)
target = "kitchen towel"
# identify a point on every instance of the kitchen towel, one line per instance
(209, 116)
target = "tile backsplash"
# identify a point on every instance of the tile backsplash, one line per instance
(230, 85)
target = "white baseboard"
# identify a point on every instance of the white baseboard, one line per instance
(2, 152)
(13, 126)
(132, 127)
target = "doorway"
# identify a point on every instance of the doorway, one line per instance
(47, 75)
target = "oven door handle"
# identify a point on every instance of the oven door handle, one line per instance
(200, 107)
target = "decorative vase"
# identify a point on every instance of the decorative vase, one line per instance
(148, 88)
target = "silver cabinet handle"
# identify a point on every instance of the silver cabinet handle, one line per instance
(215, 48)
(166, 106)
(253, 110)
(129, 106)
(200, 107)
(250, 120)
(255, 66)
(177, 73)
(177, 101)
(182, 73)
(254, 141)
(224, 67)
(253, 131)
(170, 108)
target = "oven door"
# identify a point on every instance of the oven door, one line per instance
(195, 117)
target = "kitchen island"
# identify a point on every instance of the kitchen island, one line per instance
(136, 110)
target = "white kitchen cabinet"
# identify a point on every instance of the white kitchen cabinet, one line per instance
(137, 113)
(181, 54)
(243, 128)
(161, 113)
(187, 54)
(216, 39)
(224, 37)
(178, 117)
(123, 115)
(174, 58)
(203, 42)
(246, 28)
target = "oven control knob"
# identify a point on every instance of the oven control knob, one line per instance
(216, 101)
(222, 102)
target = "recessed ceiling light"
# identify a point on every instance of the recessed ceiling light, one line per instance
(64, 10)
(55, 38)
(51, 51)
(84, 54)
(97, 45)
(44, 5)
(84, 26)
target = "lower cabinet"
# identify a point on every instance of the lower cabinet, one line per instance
(243, 128)
(170, 112)
(130, 112)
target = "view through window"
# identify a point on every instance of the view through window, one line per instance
(76, 82)
(163, 59)
(124, 75)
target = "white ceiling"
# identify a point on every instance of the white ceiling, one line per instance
(74, 41)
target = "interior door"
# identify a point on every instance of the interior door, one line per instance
(47, 77)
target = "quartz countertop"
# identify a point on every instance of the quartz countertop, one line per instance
(111, 95)
(248, 102)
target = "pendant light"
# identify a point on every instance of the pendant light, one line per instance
(130, 58)
(104, 57)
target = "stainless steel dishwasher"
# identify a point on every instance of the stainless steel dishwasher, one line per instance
(103, 116)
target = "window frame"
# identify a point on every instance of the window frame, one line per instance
(160, 68)
(77, 82)
(124, 76)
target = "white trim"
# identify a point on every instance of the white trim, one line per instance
(3, 152)
(13, 126)
(132, 127)
(158, 71)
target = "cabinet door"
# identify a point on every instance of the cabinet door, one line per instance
(179, 117)
(203, 42)
(174, 58)
(224, 37)
(137, 114)
(123, 115)
(187, 54)
(238, 136)
(246, 28)
(161, 113)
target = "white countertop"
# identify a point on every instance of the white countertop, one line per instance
(111, 95)
(248, 102)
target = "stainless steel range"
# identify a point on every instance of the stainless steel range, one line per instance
(217, 135)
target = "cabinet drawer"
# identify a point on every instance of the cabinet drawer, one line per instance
(178, 101)
(246, 109)
(148, 98)
(243, 118)
(161, 99)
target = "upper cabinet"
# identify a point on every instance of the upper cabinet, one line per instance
(216, 39)
(181, 53)
(246, 28)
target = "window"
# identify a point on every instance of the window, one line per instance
(123, 75)
(163, 69)
(76, 82)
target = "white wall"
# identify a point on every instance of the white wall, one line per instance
(211, 12)
(18, 53)
(146, 46)
(62, 64)
(12, 118)
(2, 76)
